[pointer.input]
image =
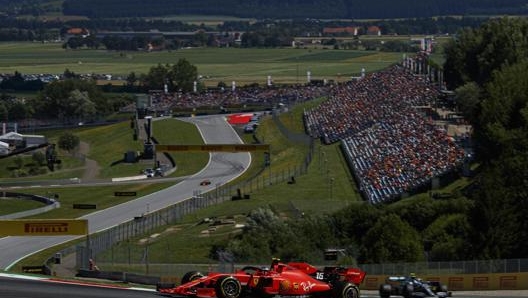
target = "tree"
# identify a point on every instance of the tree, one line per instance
(81, 105)
(75, 42)
(260, 226)
(497, 218)
(503, 136)
(504, 113)
(4, 113)
(131, 79)
(68, 141)
(200, 38)
(183, 75)
(39, 158)
(18, 111)
(490, 63)
(156, 78)
(55, 101)
(419, 213)
(354, 221)
(68, 74)
(447, 238)
(467, 98)
(392, 240)
(476, 53)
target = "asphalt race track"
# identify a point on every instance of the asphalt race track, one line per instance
(222, 168)
(464, 294)
(22, 288)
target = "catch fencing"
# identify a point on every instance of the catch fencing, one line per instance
(451, 267)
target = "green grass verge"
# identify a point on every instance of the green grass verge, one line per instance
(108, 145)
(176, 132)
(102, 196)
(12, 205)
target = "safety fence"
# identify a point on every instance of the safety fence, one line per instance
(452, 267)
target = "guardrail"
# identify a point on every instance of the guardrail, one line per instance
(51, 204)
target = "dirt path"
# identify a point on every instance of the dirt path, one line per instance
(91, 168)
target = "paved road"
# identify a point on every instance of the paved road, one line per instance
(222, 168)
(18, 288)
(466, 294)
(23, 288)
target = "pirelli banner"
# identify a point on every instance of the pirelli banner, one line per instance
(43, 227)
(215, 147)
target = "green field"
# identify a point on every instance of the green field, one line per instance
(286, 65)
(12, 205)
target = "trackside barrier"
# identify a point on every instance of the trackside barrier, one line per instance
(119, 276)
(464, 282)
(51, 204)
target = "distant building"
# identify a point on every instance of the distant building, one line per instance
(79, 32)
(14, 143)
(35, 140)
(4, 149)
(14, 139)
(341, 30)
(374, 30)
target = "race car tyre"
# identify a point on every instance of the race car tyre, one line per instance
(385, 290)
(190, 276)
(164, 285)
(346, 290)
(408, 291)
(443, 288)
(228, 287)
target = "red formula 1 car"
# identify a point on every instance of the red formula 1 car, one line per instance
(291, 279)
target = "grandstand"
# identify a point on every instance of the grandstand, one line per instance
(392, 147)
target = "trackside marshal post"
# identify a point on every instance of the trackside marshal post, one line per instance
(43, 227)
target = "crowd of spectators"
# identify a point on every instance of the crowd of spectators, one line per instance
(392, 147)
(268, 96)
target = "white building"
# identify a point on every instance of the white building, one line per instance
(4, 149)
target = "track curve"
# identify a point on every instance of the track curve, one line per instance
(222, 168)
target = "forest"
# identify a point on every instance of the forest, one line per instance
(293, 9)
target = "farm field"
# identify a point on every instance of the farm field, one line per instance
(245, 66)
